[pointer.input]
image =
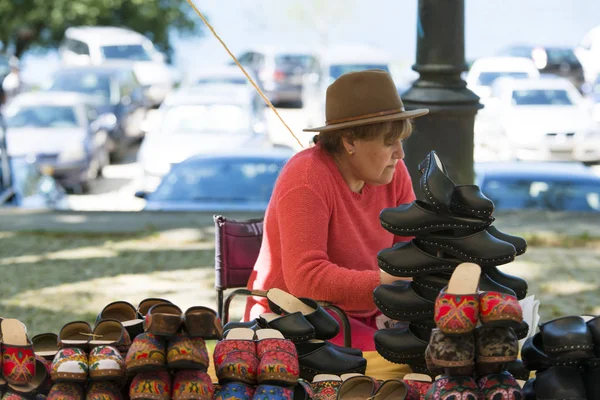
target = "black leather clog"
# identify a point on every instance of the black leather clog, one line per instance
(401, 302)
(567, 337)
(319, 357)
(480, 247)
(535, 359)
(409, 259)
(559, 383)
(518, 285)
(403, 345)
(445, 196)
(517, 241)
(420, 218)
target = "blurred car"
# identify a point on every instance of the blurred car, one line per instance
(588, 54)
(62, 132)
(559, 61)
(28, 187)
(540, 119)
(595, 97)
(95, 45)
(554, 186)
(4, 66)
(486, 70)
(223, 74)
(227, 182)
(115, 91)
(338, 61)
(201, 120)
(280, 71)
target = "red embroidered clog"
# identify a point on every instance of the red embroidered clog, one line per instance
(500, 309)
(235, 357)
(18, 358)
(278, 358)
(457, 306)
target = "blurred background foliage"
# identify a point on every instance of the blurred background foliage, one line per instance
(37, 24)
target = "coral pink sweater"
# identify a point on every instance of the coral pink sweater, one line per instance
(320, 239)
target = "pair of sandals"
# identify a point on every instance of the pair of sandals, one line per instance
(306, 323)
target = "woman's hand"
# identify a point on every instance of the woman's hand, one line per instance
(386, 279)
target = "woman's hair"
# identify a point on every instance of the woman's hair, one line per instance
(391, 131)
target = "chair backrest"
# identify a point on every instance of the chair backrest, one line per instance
(237, 244)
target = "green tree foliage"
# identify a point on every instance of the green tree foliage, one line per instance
(29, 23)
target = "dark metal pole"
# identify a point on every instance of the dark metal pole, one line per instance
(448, 129)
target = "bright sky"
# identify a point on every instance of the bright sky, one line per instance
(388, 24)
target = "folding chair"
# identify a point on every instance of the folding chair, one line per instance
(237, 244)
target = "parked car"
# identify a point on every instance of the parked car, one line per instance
(28, 187)
(224, 182)
(201, 120)
(280, 71)
(62, 132)
(486, 70)
(95, 45)
(555, 186)
(540, 119)
(338, 61)
(559, 61)
(223, 74)
(115, 91)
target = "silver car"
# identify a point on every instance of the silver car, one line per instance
(201, 120)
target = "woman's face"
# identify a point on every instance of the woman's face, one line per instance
(374, 161)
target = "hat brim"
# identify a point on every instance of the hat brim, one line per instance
(372, 120)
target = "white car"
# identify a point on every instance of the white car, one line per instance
(228, 74)
(539, 119)
(485, 71)
(588, 53)
(336, 62)
(87, 45)
(200, 120)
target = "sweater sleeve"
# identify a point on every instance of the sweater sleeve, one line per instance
(303, 225)
(405, 193)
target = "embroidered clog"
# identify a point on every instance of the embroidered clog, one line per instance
(163, 319)
(125, 313)
(192, 385)
(18, 359)
(111, 332)
(75, 334)
(106, 363)
(455, 387)
(234, 391)
(45, 345)
(500, 309)
(70, 365)
(496, 345)
(235, 357)
(104, 390)
(203, 322)
(147, 353)
(278, 358)
(457, 307)
(499, 387)
(66, 391)
(326, 387)
(185, 352)
(273, 392)
(153, 385)
(36, 384)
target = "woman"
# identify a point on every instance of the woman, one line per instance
(322, 231)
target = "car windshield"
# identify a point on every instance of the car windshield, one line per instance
(132, 52)
(335, 71)
(207, 118)
(289, 61)
(541, 97)
(95, 85)
(488, 78)
(556, 195)
(41, 116)
(220, 180)
(559, 56)
(221, 80)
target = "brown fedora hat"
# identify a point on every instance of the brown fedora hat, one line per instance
(363, 98)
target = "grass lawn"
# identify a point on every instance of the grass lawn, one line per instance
(50, 279)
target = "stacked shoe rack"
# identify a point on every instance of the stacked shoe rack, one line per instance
(452, 225)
